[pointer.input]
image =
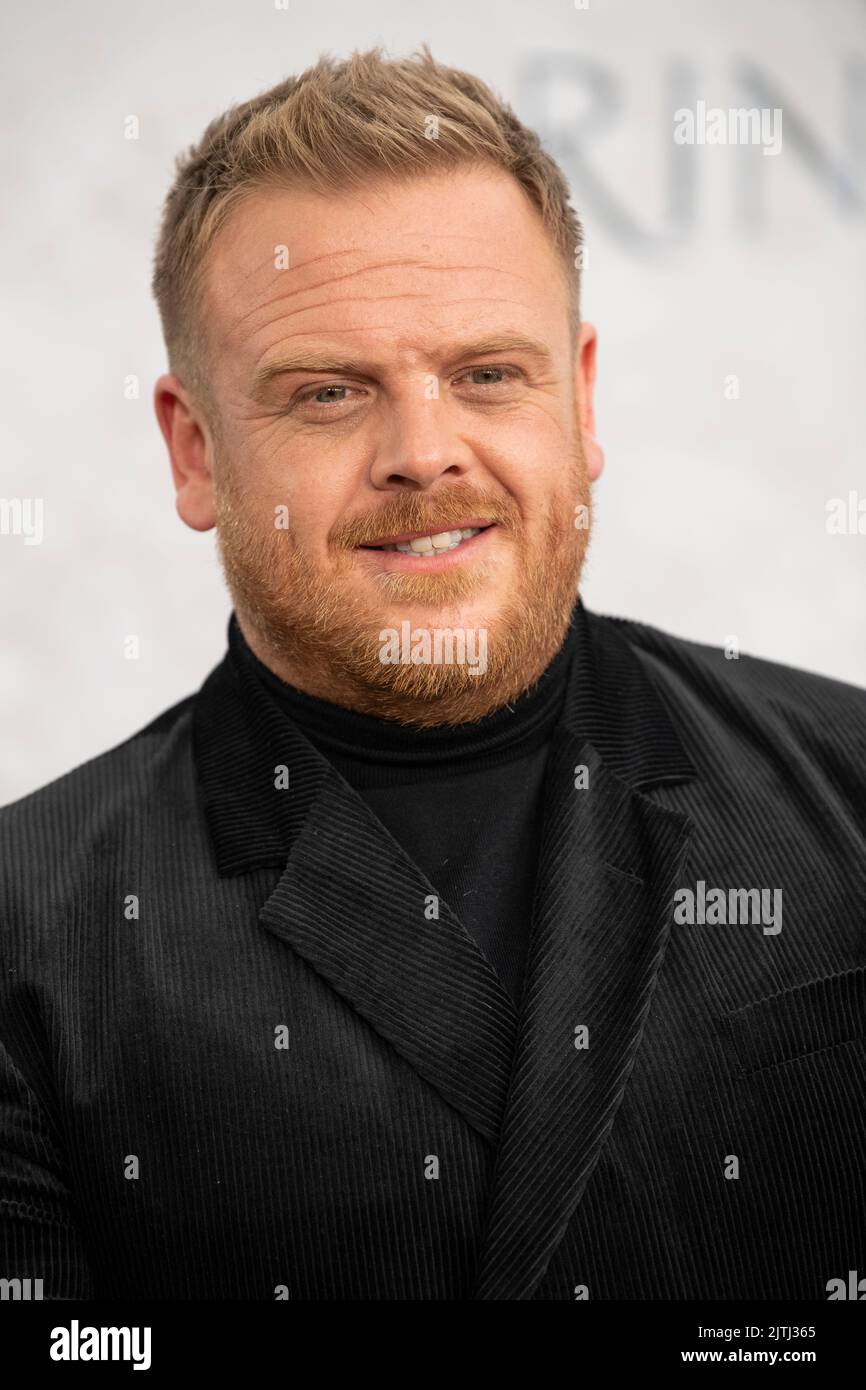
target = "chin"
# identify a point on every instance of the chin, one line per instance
(479, 620)
(461, 598)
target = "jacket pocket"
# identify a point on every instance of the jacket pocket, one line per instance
(799, 1022)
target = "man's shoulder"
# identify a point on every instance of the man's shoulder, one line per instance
(97, 798)
(726, 682)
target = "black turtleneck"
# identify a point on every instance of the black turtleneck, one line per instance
(463, 801)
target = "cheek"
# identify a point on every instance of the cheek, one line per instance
(281, 479)
(538, 471)
(314, 510)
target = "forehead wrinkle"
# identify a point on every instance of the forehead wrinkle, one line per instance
(323, 304)
(400, 260)
(377, 299)
(339, 332)
(363, 270)
(301, 289)
(389, 265)
(439, 301)
(384, 299)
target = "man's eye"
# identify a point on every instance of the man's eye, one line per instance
(324, 395)
(490, 376)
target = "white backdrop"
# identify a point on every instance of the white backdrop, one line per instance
(705, 264)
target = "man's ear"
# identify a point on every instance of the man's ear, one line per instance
(189, 451)
(584, 389)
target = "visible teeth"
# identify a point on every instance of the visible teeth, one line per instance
(434, 545)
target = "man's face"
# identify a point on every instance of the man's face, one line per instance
(392, 363)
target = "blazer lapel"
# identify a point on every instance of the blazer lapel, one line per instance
(352, 903)
(349, 899)
(611, 860)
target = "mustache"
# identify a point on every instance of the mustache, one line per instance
(426, 515)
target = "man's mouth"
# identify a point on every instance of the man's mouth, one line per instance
(430, 542)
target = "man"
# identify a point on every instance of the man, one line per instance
(452, 942)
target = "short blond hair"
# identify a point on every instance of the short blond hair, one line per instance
(341, 125)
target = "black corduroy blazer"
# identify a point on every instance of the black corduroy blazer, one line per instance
(239, 1059)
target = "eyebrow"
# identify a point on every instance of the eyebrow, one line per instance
(305, 361)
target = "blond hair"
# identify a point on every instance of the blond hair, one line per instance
(338, 125)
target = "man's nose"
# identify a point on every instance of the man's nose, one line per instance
(418, 443)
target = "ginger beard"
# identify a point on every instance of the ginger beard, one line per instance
(320, 633)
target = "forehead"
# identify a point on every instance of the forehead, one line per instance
(396, 266)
